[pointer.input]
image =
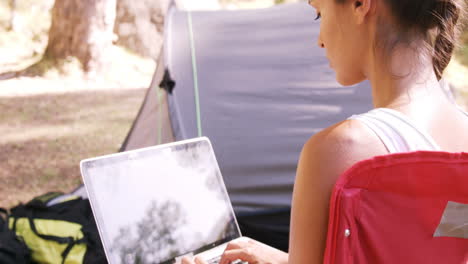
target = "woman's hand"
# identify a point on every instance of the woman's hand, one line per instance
(253, 252)
(248, 250)
(196, 260)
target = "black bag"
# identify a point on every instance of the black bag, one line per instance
(12, 249)
(59, 233)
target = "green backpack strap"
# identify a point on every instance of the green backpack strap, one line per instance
(70, 241)
(40, 202)
(70, 246)
(61, 240)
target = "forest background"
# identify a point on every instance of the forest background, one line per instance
(62, 101)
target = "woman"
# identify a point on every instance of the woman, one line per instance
(402, 47)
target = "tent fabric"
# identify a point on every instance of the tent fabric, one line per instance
(395, 208)
(152, 127)
(265, 87)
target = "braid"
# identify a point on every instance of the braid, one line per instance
(438, 22)
(447, 13)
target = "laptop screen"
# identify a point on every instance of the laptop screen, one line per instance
(154, 204)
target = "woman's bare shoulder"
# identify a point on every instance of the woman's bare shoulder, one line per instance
(324, 157)
(338, 147)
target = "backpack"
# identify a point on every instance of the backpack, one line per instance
(12, 249)
(58, 228)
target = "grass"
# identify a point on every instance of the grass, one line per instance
(44, 137)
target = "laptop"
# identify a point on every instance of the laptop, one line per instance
(159, 204)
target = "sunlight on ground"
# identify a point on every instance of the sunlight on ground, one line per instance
(23, 133)
(127, 71)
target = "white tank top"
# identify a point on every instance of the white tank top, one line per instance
(397, 131)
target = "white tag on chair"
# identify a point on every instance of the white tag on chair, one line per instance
(454, 222)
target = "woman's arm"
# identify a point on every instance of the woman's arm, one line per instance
(323, 159)
(316, 175)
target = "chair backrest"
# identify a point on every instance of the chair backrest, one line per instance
(401, 208)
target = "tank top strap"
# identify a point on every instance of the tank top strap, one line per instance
(397, 131)
(461, 110)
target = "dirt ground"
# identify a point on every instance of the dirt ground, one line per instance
(44, 137)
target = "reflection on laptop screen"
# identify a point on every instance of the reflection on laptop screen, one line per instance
(156, 204)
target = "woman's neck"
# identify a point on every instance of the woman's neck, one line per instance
(405, 79)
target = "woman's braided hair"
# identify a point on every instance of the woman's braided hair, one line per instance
(446, 15)
(438, 21)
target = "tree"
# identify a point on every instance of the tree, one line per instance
(13, 17)
(140, 24)
(82, 29)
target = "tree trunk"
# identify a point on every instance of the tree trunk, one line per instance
(140, 24)
(12, 24)
(82, 29)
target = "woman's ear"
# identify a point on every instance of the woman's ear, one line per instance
(362, 8)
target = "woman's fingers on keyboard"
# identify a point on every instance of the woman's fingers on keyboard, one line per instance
(187, 260)
(253, 252)
(242, 242)
(199, 260)
(231, 255)
(190, 260)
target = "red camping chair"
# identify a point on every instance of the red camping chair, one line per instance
(401, 208)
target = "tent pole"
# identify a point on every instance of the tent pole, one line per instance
(195, 73)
